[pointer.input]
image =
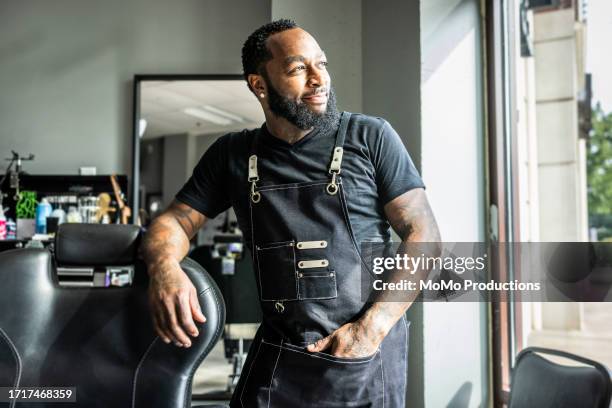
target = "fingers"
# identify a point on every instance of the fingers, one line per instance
(158, 329)
(172, 324)
(320, 345)
(195, 307)
(184, 314)
(174, 305)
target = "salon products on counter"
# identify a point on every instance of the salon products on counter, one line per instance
(60, 214)
(2, 224)
(43, 210)
(73, 215)
(11, 229)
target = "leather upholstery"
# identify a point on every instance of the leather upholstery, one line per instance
(539, 382)
(99, 340)
(96, 244)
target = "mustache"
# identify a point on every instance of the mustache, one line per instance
(316, 92)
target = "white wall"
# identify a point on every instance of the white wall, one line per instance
(67, 68)
(336, 25)
(453, 161)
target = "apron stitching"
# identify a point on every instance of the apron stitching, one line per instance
(254, 251)
(273, 371)
(297, 287)
(276, 246)
(352, 236)
(382, 376)
(246, 381)
(260, 189)
(406, 331)
(321, 357)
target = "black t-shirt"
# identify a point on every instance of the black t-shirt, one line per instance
(376, 168)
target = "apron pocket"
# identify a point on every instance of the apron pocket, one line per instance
(319, 284)
(276, 271)
(309, 379)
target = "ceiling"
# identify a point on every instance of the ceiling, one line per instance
(163, 104)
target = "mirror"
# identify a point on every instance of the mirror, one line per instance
(176, 119)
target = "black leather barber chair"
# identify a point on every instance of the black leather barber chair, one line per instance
(540, 383)
(98, 340)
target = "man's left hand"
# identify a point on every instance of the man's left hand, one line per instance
(353, 340)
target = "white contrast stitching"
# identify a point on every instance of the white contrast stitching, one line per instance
(274, 371)
(382, 376)
(271, 188)
(246, 381)
(274, 245)
(138, 368)
(407, 365)
(324, 358)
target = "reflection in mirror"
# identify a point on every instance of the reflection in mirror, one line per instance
(179, 120)
(176, 120)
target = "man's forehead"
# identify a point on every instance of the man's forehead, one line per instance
(294, 44)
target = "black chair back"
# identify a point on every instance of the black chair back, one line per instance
(99, 340)
(539, 382)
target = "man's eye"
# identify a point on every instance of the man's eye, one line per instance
(324, 63)
(298, 68)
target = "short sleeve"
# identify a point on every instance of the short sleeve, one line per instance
(206, 189)
(395, 171)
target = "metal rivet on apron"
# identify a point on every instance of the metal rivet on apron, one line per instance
(299, 245)
(280, 308)
(322, 243)
(301, 275)
(324, 263)
(331, 274)
(301, 264)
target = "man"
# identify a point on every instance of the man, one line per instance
(307, 188)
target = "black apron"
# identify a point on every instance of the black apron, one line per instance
(308, 271)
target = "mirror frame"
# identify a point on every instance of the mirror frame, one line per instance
(134, 197)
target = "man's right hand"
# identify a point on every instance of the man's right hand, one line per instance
(174, 304)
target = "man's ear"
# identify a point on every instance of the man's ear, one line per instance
(257, 84)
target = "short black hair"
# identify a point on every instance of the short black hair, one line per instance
(255, 53)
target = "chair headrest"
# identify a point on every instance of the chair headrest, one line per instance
(96, 244)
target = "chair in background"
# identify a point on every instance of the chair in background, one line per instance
(99, 340)
(540, 383)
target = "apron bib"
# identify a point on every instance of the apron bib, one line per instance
(308, 271)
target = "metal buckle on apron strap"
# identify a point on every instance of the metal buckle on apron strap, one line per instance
(334, 169)
(253, 178)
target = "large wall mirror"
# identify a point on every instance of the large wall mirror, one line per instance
(176, 119)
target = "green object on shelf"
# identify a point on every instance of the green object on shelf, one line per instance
(26, 206)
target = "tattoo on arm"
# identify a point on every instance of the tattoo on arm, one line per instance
(189, 219)
(169, 234)
(183, 216)
(412, 218)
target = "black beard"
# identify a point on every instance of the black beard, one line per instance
(300, 115)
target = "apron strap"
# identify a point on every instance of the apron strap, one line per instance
(336, 160)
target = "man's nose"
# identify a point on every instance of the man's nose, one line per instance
(316, 78)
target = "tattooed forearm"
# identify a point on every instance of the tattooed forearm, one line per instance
(412, 219)
(167, 239)
(183, 216)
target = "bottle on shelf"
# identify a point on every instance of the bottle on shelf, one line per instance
(43, 210)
